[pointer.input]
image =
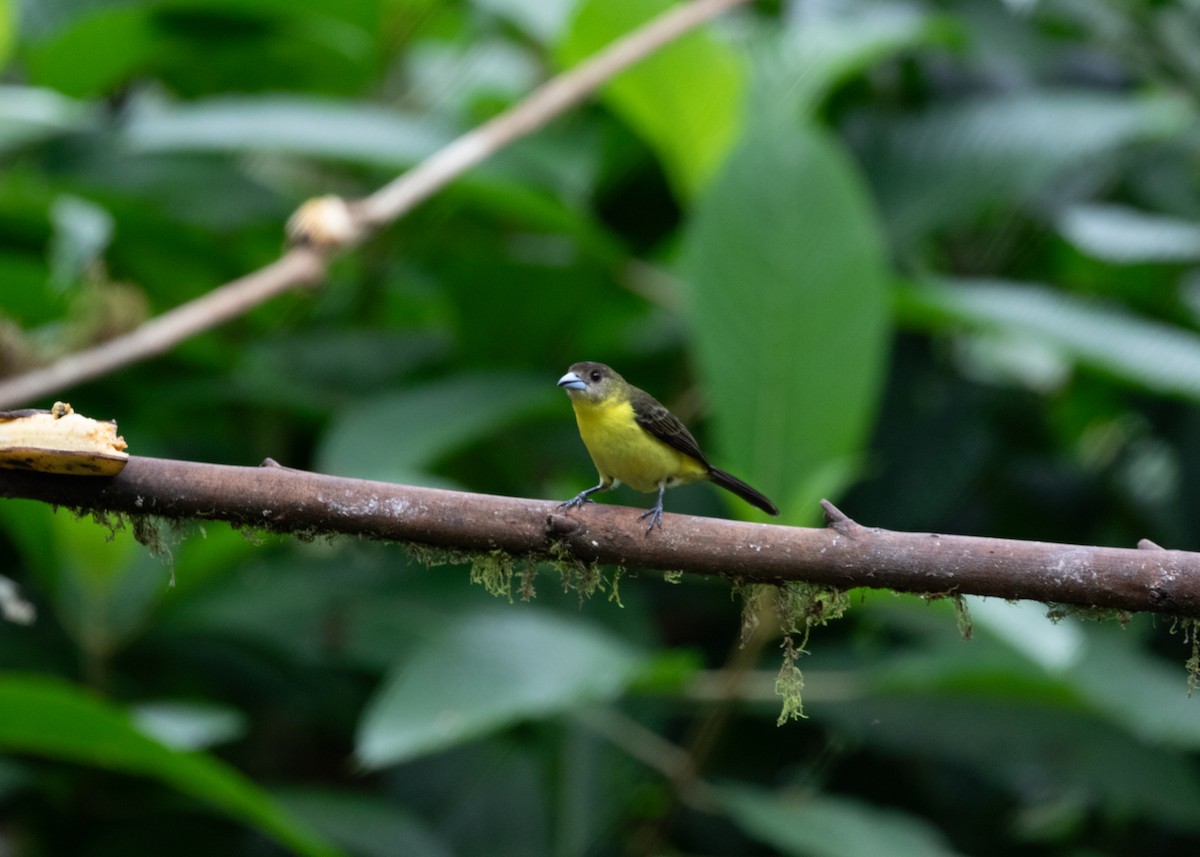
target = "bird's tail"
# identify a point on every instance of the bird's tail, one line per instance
(737, 486)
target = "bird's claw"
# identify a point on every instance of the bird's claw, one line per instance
(576, 502)
(655, 516)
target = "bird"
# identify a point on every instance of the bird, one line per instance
(634, 440)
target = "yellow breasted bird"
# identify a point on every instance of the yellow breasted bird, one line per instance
(633, 439)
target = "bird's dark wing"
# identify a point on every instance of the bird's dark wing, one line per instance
(651, 415)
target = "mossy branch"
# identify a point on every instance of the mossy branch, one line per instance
(840, 556)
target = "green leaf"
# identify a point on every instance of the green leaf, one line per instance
(70, 62)
(291, 125)
(946, 165)
(189, 725)
(28, 114)
(541, 19)
(1098, 335)
(1097, 720)
(29, 526)
(485, 671)
(398, 438)
(1139, 692)
(29, 301)
(82, 232)
(790, 310)
(54, 16)
(1125, 236)
(367, 825)
(198, 47)
(106, 585)
(50, 718)
(7, 30)
(1009, 738)
(826, 45)
(685, 100)
(812, 825)
(1054, 646)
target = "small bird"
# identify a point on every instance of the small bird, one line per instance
(633, 439)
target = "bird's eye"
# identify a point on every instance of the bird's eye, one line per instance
(596, 375)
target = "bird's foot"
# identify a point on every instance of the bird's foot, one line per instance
(655, 516)
(579, 500)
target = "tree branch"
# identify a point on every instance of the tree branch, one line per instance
(551, 99)
(346, 223)
(300, 266)
(844, 554)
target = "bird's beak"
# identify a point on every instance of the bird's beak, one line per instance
(571, 381)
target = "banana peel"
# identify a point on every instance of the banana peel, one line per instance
(60, 441)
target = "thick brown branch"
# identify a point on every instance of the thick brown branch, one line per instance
(844, 554)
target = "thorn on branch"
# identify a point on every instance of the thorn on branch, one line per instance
(839, 520)
(1147, 545)
(272, 463)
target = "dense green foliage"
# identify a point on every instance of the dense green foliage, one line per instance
(934, 261)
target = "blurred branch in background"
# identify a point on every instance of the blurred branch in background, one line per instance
(299, 267)
(843, 555)
(305, 265)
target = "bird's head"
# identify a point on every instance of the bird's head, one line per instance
(593, 382)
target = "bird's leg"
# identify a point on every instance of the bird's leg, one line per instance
(655, 513)
(584, 496)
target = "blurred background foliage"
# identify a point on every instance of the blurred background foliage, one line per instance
(936, 261)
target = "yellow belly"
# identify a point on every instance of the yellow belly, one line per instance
(624, 452)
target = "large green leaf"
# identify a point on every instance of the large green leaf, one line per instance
(487, 670)
(814, 825)
(790, 307)
(685, 100)
(50, 718)
(1103, 336)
